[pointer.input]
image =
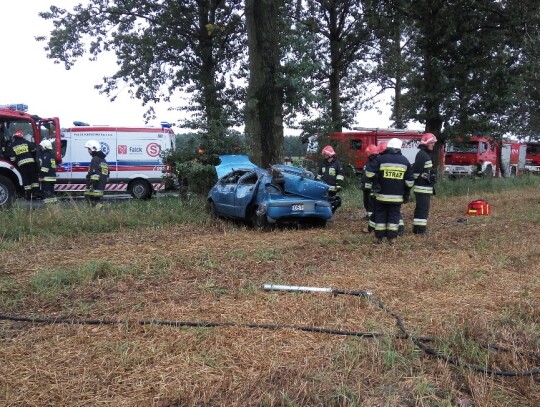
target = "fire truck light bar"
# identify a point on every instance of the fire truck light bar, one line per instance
(19, 107)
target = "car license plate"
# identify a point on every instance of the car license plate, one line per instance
(298, 207)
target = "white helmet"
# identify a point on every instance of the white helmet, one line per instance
(46, 144)
(394, 143)
(93, 145)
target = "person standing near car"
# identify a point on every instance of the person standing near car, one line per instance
(366, 186)
(392, 177)
(23, 154)
(425, 177)
(47, 172)
(98, 173)
(331, 172)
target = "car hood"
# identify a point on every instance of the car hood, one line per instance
(230, 163)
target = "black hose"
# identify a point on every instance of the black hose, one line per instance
(417, 341)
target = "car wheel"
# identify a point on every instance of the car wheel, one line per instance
(140, 189)
(7, 192)
(259, 222)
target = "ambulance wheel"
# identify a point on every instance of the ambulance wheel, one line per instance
(140, 189)
(7, 192)
(489, 171)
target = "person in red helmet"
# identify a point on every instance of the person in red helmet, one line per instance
(366, 186)
(425, 176)
(22, 153)
(331, 172)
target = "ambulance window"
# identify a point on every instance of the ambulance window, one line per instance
(356, 144)
(63, 143)
(483, 147)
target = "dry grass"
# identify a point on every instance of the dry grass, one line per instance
(466, 284)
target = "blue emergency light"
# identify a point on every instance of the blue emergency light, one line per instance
(19, 107)
(77, 123)
(166, 125)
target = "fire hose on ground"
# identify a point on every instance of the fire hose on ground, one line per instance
(419, 342)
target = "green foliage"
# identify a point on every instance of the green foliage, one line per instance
(197, 155)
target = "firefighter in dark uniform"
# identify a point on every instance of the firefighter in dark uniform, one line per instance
(366, 186)
(98, 173)
(22, 153)
(425, 177)
(331, 172)
(392, 178)
(47, 172)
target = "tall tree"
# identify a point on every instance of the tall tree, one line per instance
(339, 41)
(264, 103)
(163, 48)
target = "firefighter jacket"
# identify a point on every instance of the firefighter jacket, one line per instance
(21, 152)
(47, 166)
(424, 173)
(365, 182)
(97, 176)
(392, 177)
(331, 172)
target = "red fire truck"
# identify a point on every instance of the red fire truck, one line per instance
(532, 158)
(133, 154)
(480, 155)
(354, 143)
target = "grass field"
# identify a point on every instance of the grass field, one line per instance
(470, 291)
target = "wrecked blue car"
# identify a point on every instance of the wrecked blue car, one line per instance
(282, 194)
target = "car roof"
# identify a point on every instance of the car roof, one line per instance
(230, 163)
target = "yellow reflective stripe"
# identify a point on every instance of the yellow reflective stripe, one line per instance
(409, 183)
(428, 164)
(422, 190)
(49, 179)
(340, 177)
(393, 167)
(390, 198)
(370, 174)
(26, 161)
(419, 222)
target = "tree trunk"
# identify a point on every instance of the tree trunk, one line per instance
(335, 58)
(264, 105)
(213, 110)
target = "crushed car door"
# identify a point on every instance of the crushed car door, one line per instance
(245, 193)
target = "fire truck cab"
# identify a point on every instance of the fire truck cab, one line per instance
(12, 118)
(532, 158)
(480, 155)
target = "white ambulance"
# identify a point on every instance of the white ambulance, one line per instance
(134, 156)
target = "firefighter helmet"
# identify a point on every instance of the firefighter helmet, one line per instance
(372, 150)
(92, 145)
(428, 138)
(46, 144)
(394, 143)
(328, 151)
(18, 133)
(382, 146)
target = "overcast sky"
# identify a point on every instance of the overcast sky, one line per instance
(52, 91)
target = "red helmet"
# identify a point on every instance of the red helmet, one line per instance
(428, 138)
(372, 149)
(382, 146)
(18, 133)
(328, 151)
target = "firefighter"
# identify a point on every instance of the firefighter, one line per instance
(47, 172)
(331, 172)
(392, 177)
(365, 185)
(425, 177)
(22, 153)
(401, 227)
(97, 176)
